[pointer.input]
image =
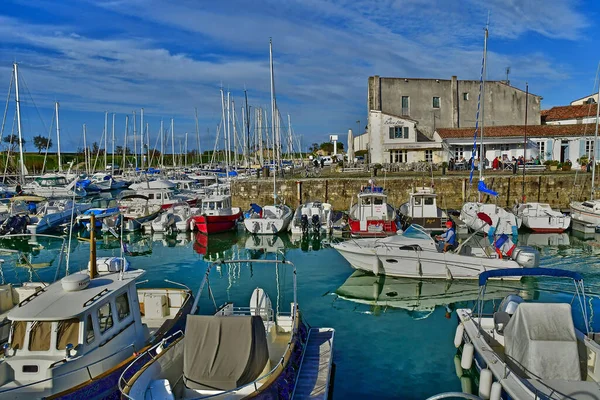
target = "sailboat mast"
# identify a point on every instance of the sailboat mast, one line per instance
(224, 131)
(247, 114)
(173, 143)
(112, 167)
(198, 135)
(134, 142)
(58, 138)
(15, 69)
(162, 144)
(595, 151)
(525, 140)
(186, 150)
(125, 142)
(481, 146)
(105, 138)
(273, 117)
(142, 138)
(85, 150)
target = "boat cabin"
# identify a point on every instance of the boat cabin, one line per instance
(591, 205)
(51, 180)
(422, 209)
(372, 204)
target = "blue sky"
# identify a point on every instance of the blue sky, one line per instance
(169, 57)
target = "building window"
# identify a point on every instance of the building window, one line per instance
(542, 148)
(405, 106)
(459, 153)
(465, 96)
(398, 156)
(405, 132)
(504, 147)
(436, 102)
(396, 132)
(589, 147)
(428, 155)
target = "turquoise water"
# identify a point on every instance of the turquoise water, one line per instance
(394, 337)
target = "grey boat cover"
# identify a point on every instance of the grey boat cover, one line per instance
(540, 340)
(223, 352)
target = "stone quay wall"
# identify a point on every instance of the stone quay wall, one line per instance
(557, 190)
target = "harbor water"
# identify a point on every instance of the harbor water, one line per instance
(394, 337)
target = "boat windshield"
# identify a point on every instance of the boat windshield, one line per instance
(416, 232)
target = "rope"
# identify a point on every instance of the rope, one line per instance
(477, 127)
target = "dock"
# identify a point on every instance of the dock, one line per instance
(316, 366)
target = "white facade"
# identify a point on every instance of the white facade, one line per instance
(396, 140)
(361, 142)
(584, 100)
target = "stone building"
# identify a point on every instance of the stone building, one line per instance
(424, 105)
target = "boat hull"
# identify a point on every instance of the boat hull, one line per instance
(371, 228)
(208, 224)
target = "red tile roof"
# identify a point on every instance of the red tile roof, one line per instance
(518, 130)
(569, 112)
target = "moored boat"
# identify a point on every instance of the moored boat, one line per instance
(216, 214)
(372, 216)
(421, 209)
(312, 217)
(541, 218)
(268, 220)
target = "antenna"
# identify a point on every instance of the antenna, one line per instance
(507, 73)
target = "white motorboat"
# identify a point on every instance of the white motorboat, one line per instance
(419, 297)
(75, 336)
(587, 211)
(541, 218)
(234, 352)
(165, 222)
(312, 217)
(502, 221)
(414, 254)
(103, 181)
(268, 220)
(153, 184)
(135, 211)
(54, 186)
(100, 213)
(53, 213)
(421, 209)
(530, 350)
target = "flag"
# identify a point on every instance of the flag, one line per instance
(483, 189)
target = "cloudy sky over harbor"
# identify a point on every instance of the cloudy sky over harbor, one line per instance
(169, 57)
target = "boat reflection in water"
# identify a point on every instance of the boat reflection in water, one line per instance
(215, 246)
(175, 239)
(544, 239)
(419, 297)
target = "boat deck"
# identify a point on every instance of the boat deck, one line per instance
(316, 366)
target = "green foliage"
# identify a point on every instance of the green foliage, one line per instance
(41, 143)
(13, 142)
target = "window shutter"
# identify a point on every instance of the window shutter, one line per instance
(391, 132)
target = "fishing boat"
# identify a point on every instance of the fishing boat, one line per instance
(419, 297)
(372, 216)
(216, 214)
(541, 218)
(236, 351)
(54, 186)
(312, 217)
(530, 349)
(421, 209)
(268, 220)
(414, 254)
(74, 338)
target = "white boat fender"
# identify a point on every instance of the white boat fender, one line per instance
(192, 226)
(457, 367)
(467, 356)
(485, 383)
(458, 336)
(466, 384)
(160, 348)
(496, 391)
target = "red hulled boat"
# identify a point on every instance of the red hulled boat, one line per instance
(372, 216)
(217, 215)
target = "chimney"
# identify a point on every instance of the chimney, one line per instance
(454, 96)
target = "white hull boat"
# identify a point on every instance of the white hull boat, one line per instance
(541, 218)
(270, 220)
(529, 350)
(503, 222)
(54, 213)
(312, 217)
(587, 212)
(165, 222)
(414, 254)
(54, 186)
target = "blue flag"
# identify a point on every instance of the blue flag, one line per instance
(483, 189)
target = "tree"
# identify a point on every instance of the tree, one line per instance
(328, 146)
(13, 142)
(41, 143)
(313, 148)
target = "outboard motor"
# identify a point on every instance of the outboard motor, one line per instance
(510, 303)
(526, 256)
(304, 223)
(316, 224)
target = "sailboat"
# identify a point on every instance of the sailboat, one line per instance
(270, 220)
(588, 212)
(489, 218)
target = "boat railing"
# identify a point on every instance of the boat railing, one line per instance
(153, 353)
(70, 373)
(454, 395)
